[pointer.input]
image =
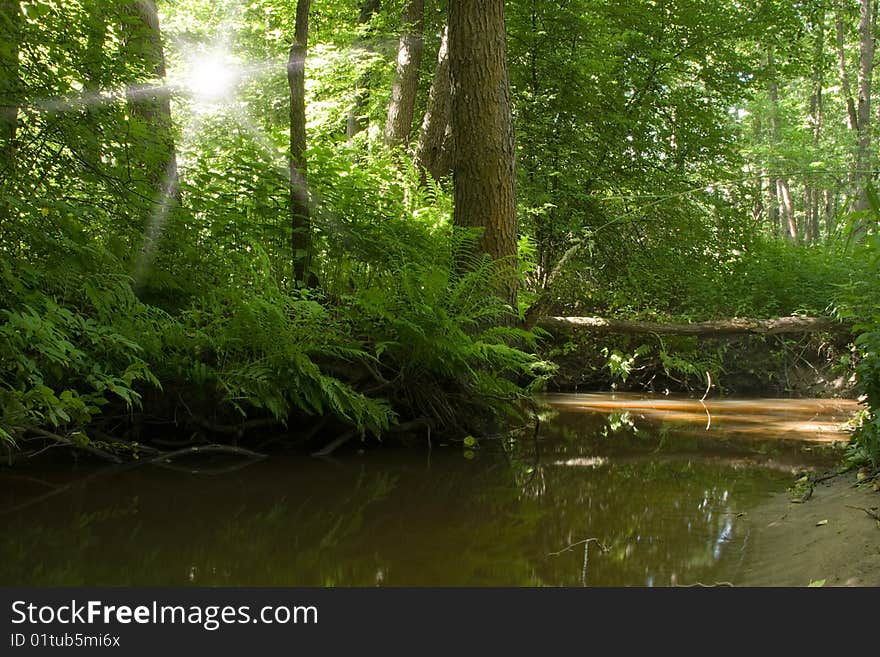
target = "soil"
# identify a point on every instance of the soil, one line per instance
(824, 538)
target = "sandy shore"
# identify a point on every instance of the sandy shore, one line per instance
(791, 544)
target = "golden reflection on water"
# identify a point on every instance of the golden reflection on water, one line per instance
(811, 420)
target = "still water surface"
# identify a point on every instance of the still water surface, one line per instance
(615, 490)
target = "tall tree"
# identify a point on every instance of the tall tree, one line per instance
(10, 36)
(150, 103)
(434, 149)
(406, 77)
(779, 180)
(811, 222)
(852, 118)
(94, 67)
(864, 160)
(484, 172)
(300, 215)
(10, 95)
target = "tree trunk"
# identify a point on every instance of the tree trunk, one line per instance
(484, 171)
(406, 79)
(811, 232)
(435, 147)
(10, 91)
(864, 161)
(151, 103)
(356, 122)
(300, 214)
(94, 66)
(737, 326)
(787, 210)
(852, 119)
(781, 194)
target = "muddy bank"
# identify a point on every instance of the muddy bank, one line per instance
(787, 544)
(808, 365)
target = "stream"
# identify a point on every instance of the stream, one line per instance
(611, 490)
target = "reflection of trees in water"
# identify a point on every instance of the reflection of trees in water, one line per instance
(216, 539)
(664, 504)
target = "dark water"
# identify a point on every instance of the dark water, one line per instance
(660, 485)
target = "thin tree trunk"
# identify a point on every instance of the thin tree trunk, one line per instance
(811, 222)
(405, 88)
(300, 214)
(356, 121)
(852, 119)
(776, 196)
(830, 209)
(484, 171)
(435, 147)
(788, 209)
(864, 160)
(773, 205)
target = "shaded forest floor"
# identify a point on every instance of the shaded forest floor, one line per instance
(829, 537)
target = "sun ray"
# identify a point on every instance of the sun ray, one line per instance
(156, 226)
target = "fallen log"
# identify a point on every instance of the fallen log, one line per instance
(735, 326)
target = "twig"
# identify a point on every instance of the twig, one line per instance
(204, 449)
(870, 512)
(586, 541)
(830, 475)
(708, 387)
(700, 585)
(107, 456)
(334, 445)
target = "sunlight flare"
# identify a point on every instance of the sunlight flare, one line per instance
(212, 78)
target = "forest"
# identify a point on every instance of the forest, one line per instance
(256, 224)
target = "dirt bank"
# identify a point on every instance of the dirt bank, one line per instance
(786, 544)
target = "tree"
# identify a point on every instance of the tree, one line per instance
(150, 103)
(10, 28)
(484, 171)
(300, 216)
(434, 149)
(10, 35)
(783, 192)
(864, 161)
(406, 79)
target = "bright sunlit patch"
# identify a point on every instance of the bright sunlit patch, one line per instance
(212, 78)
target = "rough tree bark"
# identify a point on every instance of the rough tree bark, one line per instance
(94, 66)
(151, 103)
(434, 149)
(485, 159)
(10, 92)
(300, 214)
(406, 79)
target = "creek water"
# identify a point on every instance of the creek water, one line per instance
(611, 490)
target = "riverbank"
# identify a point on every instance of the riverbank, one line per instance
(829, 537)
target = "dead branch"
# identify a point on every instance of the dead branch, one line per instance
(735, 326)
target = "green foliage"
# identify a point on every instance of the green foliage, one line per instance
(858, 301)
(257, 349)
(449, 343)
(66, 349)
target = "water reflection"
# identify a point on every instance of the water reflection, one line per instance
(597, 498)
